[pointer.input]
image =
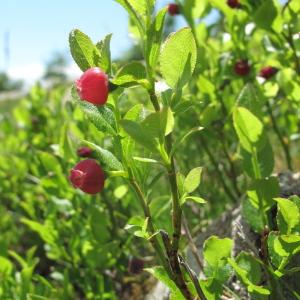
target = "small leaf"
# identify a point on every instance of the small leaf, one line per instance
(265, 158)
(83, 51)
(265, 14)
(216, 251)
(135, 12)
(105, 56)
(263, 190)
(101, 116)
(154, 37)
(290, 213)
(250, 99)
(160, 274)
(183, 138)
(195, 199)
(248, 128)
(178, 58)
(131, 74)
(108, 160)
(243, 275)
(252, 215)
(138, 133)
(193, 180)
(145, 160)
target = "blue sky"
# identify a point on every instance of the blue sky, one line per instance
(39, 28)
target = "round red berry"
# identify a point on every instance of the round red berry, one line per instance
(268, 72)
(234, 3)
(84, 152)
(93, 86)
(173, 9)
(242, 68)
(88, 176)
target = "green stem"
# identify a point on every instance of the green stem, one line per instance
(154, 239)
(257, 174)
(219, 173)
(191, 242)
(293, 47)
(176, 222)
(232, 173)
(285, 147)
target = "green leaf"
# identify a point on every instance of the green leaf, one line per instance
(83, 51)
(282, 248)
(160, 124)
(180, 183)
(290, 213)
(242, 273)
(135, 11)
(212, 288)
(179, 141)
(121, 191)
(133, 73)
(195, 199)
(136, 113)
(265, 14)
(248, 128)
(154, 37)
(99, 226)
(6, 267)
(45, 231)
(193, 180)
(252, 215)
(167, 121)
(178, 58)
(265, 158)
(249, 98)
(107, 159)
(140, 134)
(145, 160)
(160, 274)
(105, 57)
(101, 116)
(263, 190)
(247, 262)
(216, 251)
(206, 86)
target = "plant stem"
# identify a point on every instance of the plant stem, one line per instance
(232, 174)
(219, 173)
(154, 239)
(176, 222)
(290, 41)
(191, 242)
(258, 176)
(281, 140)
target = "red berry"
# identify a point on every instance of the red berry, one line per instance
(84, 152)
(242, 67)
(88, 176)
(93, 86)
(234, 3)
(268, 72)
(173, 9)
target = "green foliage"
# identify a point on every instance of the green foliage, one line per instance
(178, 58)
(58, 243)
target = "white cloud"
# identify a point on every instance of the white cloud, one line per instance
(29, 73)
(73, 71)
(32, 72)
